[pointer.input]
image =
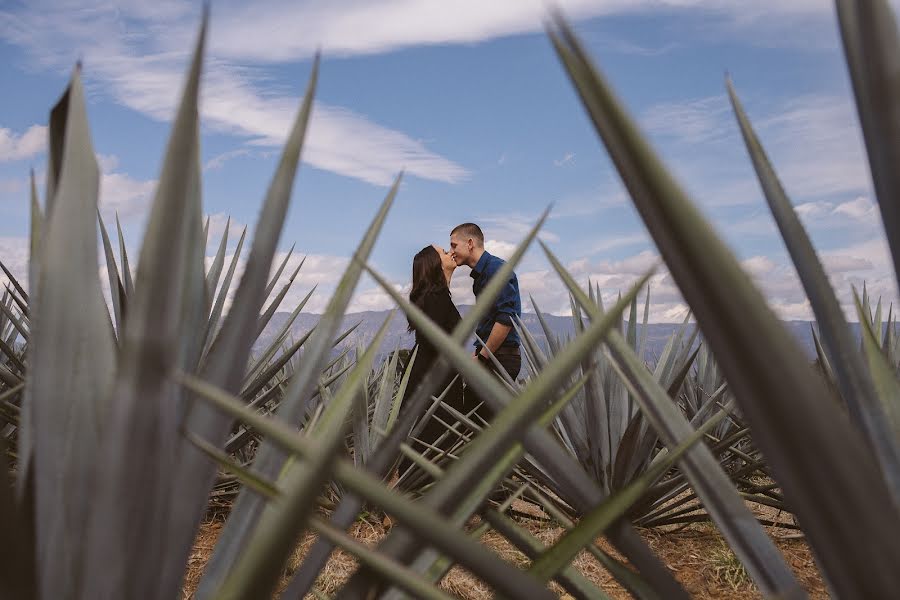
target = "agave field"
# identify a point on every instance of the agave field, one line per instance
(125, 421)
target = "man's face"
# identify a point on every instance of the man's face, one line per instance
(460, 248)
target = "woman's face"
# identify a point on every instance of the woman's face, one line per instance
(447, 262)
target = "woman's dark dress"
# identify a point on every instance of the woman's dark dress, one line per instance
(440, 309)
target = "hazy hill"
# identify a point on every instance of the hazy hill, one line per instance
(397, 336)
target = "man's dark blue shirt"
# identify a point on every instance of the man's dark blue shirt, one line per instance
(507, 305)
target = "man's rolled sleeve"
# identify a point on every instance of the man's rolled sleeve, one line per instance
(506, 307)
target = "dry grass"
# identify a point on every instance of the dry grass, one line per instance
(697, 556)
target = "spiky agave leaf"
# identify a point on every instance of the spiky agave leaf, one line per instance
(269, 459)
(127, 545)
(871, 48)
(386, 455)
(863, 404)
(426, 523)
(777, 392)
(747, 538)
(512, 418)
(256, 572)
(73, 349)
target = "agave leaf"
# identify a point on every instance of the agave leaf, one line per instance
(778, 393)
(269, 459)
(384, 399)
(131, 504)
(883, 373)
(12, 356)
(739, 526)
(564, 551)
(210, 332)
(245, 476)
(679, 377)
(279, 339)
(401, 391)
(273, 281)
(820, 354)
(630, 580)
(255, 573)
(872, 48)
(402, 576)
(56, 146)
(511, 420)
(215, 269)
(360, 420)
(37, 225)
(276, 302)
(14, 298)
(574, 582)
(426, 523)
(416, 404)
(482, 488)
(112, 272)
(226, 360)
(74, 352)
(15, 282)
(850, 370)
(16, 320)
(123, 257)
(25, 479)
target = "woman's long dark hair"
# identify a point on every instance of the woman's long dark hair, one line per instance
(427, 276)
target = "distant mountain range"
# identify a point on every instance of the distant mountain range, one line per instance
(562, 327)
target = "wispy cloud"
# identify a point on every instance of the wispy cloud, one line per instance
(620, 241)
(120, 193)
(218, 161)
(28, 144)
(128, 55)
(295, 30)
(813, 141)
(693, 121)
(567, 159)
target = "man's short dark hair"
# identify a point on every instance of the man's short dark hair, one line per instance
(469, 230)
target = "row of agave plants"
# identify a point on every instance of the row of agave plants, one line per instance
(121, 418)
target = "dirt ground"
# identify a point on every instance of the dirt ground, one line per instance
(697, 556)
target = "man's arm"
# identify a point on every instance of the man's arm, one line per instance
(498, 335)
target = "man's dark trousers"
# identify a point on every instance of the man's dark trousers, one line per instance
(510, 358)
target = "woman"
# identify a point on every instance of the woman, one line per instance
(431, 272)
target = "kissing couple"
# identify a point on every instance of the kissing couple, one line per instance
(432, 269)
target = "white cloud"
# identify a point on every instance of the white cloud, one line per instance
(758, 266)
(813, 141)
(121, 193)
(695, 121)
(860, 208)
(567, 159)
(19, 147)
(512, 228)
(296, 29)
(139, 56)
(218, 161)
(498, 248)
(621, 241)
(14, 253)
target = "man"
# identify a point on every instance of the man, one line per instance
(496, 328)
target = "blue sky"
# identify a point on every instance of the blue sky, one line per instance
(470, 99)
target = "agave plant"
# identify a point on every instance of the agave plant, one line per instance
(603, 427)
(793, 419)
(119, 447)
